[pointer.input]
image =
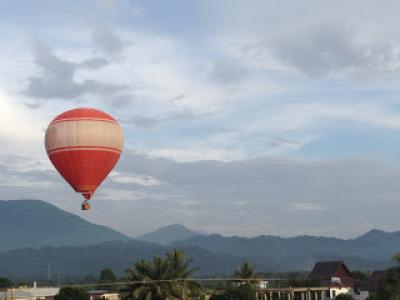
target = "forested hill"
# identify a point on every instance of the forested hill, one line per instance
(34, 223)
(75, 247)
(76, 262)
(374, 245)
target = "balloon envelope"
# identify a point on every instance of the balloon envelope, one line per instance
(84, 144)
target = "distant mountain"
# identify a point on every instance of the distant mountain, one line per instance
(374, 245)
(44, 236)
(168, 234)
(34, 223)
(67, 263)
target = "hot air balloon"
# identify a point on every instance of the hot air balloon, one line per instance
(84, 144)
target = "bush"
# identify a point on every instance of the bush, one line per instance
(389, 286)
(70, 293)
(240, 292)
(5, 283)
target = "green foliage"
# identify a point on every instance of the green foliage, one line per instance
(344, 297)
(242, 289)
(389, 286)
(107, 276)
(159, 279)
(247, 271)
(396, 258)
(241, 292)
(70, 293)
(237, 292)
(5, 283)
(360, 275)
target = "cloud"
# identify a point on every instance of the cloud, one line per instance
(320, 50)
(306, 206)
(329, 49)
(106, 39)
(209, 105)
(57, 78)
(94, 63)
(170, 116)
(269, 192)
(228, 73)
(143, 180)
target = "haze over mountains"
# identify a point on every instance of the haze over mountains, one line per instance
(75, 247)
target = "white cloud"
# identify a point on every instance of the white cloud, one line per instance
(306, 206)
(126, 178)
(20, 129)
(197, 153)
(308, 115)
(16, 181)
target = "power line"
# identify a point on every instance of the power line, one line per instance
(172, 280)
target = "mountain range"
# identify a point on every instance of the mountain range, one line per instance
(34, 223)
(35, 235)
(168, 234)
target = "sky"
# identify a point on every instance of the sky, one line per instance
(240, 117)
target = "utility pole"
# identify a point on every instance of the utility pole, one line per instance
(49, 272)
(34, 290)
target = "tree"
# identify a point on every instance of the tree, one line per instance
(247, 271)
(71, 293)
(360, 275)
(242, 292)
(344, 297)
(244, 288)
(160, 279)
(388, 286)
(5, 283)
(107, 276)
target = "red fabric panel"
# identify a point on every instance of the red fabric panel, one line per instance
(78, 113)
(84, 170)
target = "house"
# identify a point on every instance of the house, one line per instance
(48, 293)
(334, 275)
(29, 293)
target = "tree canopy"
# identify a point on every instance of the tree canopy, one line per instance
(344, 297)
(71, 293)
(389, 286)
(160, 278)
(247, 271)
(242, 292)
(107, 276)
(5, 283)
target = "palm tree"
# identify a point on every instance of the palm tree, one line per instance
(180, 269)
(159, 279)
(247, 271)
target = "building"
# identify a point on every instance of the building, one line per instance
(48, 293)
(335, 276)
(29, 293)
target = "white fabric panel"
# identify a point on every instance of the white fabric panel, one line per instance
(84, 133)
